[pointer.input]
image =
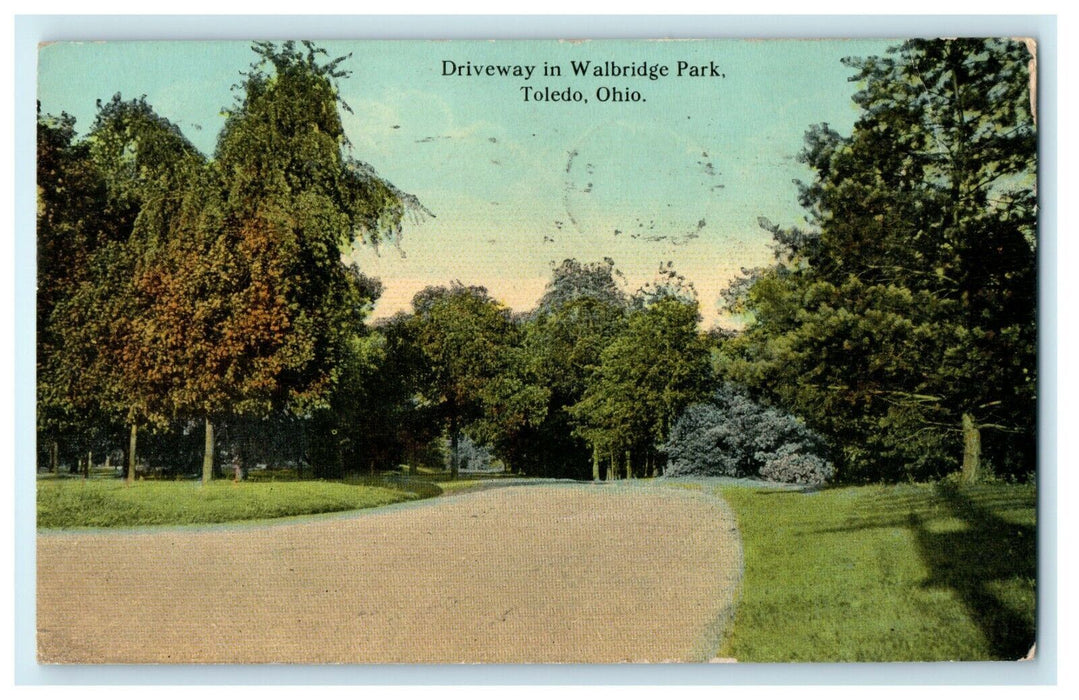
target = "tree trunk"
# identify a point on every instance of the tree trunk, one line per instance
(89, 462)
(595, 463)
(972, 448)
(612, 474)
(131, 444)
(54, 457)
(240, 455)
(453, 448)
(208, 453)
(629, 464)
(413, 469)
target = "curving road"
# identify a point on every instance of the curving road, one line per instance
(545, 573)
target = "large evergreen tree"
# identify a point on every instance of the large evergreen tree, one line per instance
(902, 322)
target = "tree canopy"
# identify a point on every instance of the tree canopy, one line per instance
(214, 287)
(904, 318)
(893, 336)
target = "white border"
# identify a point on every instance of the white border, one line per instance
(30, 30)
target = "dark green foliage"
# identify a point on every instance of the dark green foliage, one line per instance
(374, 420)
(581, 311)
(732, 435)
(71, 226)
(466, 339)
(910, 301)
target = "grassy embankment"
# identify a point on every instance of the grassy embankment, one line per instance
(885, 573)
(96, 502)
(67, 503)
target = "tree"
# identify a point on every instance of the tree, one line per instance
(463, 334)
(274, 307)
(732, 435)
(105, 359)
(656, 366)
(515, 405)
(904, 317)
(209, 289)
(373, 419)
(581, 311)
(573, 280)
(71, 227)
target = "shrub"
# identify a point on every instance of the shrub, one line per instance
(732, 435)
(789, 464)
(471, 456)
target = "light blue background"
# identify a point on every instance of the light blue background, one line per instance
(32, 30)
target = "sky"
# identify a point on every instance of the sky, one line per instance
(517, 184)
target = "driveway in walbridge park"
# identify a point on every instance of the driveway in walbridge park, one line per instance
(544, 573)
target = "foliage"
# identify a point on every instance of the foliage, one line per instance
(732, 435)
(573, 280)
(101, 362)
(290, 202)
(910, 301)
(885, 573)
(472, 456)
(515, 406)
(207, 289)
(374, 420)
(464, 336)
(648, 373)
(790, 465)
(580, 313)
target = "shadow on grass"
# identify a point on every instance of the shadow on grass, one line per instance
(990, 550)
(985, 552)
(423, 488)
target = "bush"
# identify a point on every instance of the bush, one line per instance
(732, 435)
(471, 456)
(789, 464)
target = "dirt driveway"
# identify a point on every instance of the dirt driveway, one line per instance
(545, 573)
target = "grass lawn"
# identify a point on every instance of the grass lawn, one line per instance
(885, 573)
(67, 503)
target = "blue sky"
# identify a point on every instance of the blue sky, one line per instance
(517, 186)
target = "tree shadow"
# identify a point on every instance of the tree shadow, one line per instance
(969, 561)
(985, 552)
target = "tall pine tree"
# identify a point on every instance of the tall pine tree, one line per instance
(902, 323)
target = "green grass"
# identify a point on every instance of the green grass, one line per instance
(71, 503)
(885, 573)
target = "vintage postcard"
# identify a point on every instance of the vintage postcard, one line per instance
(537, 351)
